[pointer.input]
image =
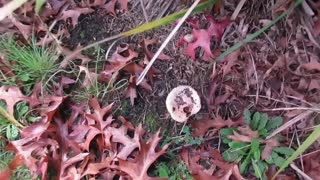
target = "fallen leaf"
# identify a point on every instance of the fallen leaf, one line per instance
(74, 14)
(245, 134)
(131, 91)
(11, 95)
(145, 43)
(270, 144)
(225, 170)
(316, 28)
(200, 127)
(230, 60)
(202, 37)
(146, 156)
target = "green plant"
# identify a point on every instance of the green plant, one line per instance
(28, 63)
(10, 131)
(307, 143)
(184, 139)
(249, 154)
(173, 170)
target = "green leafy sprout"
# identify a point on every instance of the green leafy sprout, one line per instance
(249, 154)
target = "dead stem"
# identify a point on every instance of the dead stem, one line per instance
(10, 118)
(290, 123)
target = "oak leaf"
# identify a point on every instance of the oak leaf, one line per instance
(200, 127)
(138, 167)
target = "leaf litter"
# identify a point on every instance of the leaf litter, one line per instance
(91, 142)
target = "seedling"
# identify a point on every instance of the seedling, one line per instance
(249, 154)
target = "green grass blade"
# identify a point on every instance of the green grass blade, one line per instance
(308, 142)
(257, 33)
(39, 4)
(167, 19)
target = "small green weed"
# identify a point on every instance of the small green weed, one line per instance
(249, 154)
(9, 131)
(29, 64)
(184, 139)
(152, 122)
(174, 171)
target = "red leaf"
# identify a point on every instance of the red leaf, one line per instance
(230, 60)
(200, 127)
(98, 117)
(67, 52)
(245, 134)
(270, 144)
(110, 6)
(145, 43)
(25, 30)
(74, 14)
(202, 37)
(137, 169)
(202, 40)
(316, 28)
(225, 170)
(217, 28)
(120, 135)
(11, 95)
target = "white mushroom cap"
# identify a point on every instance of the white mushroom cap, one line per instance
(183, 102)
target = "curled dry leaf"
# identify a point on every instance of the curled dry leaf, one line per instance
(182, 102)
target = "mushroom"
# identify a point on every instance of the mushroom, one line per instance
(183, 102)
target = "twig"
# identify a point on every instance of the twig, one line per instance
(301, 173)
(308, 154)
(273, 99)
(144, 11)
(255, 73)
(145, 71)
(237, 10)
(299, 144)
(10, 118)
(290, 123)
(294, 108)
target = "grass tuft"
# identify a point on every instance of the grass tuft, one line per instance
(30, 64)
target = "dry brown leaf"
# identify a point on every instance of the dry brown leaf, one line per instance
(138, 168)
(230, 60)
(245, 134)
(12, 95)
(200, 127)
(270, 144)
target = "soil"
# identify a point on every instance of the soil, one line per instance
(181, 70)
(247, 85)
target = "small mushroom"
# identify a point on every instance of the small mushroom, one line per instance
(183, 102)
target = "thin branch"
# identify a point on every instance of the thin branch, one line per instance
(290, 123)
(181, 21)
(10, 118)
